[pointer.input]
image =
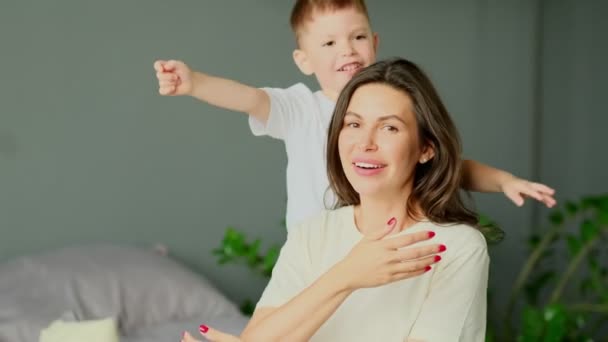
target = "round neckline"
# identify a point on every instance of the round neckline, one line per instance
(357, 232)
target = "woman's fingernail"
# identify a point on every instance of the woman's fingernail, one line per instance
(431, 234)
(437, 258)
(391, 221)
(442, 248)
(203, 328)
(428, 268)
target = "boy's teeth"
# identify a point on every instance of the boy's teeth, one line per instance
(368, 166)
(350, 67)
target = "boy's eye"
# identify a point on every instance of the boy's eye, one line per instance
(329, 43)
(361, 36)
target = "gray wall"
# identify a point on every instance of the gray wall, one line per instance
(89, 151)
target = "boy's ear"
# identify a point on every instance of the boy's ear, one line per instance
(376, 41)
(301, 60)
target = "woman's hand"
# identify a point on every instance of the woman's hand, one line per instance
(376, 261)
(211, 335)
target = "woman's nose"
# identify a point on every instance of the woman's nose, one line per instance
(367, 143)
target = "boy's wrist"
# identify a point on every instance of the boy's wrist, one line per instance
(504, 178)
(198, 79)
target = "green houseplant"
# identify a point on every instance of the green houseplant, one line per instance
(557, 303)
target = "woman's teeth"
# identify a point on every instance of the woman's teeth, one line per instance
(368, 166)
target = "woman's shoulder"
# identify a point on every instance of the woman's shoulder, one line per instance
(460, 235)
(329, 218)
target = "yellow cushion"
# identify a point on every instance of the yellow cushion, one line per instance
(104, 330)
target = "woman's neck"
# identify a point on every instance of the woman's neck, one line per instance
(372, 214)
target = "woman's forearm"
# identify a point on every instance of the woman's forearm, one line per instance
(307, 328)
(303, 315)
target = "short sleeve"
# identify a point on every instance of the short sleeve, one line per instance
(290, 275)
(455, 308)
(288, 107)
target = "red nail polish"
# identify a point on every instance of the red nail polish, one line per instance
(428, 268)
(442, 248)
(437, 258)
(391, 221)
(203, 328)
(431, 234)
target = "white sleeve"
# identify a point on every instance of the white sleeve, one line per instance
(290, 275)
(288, 107)
(455, 308)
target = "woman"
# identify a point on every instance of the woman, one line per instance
(393, 154)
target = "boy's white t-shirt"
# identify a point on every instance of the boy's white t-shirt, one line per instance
(446, 304)
(301, 119)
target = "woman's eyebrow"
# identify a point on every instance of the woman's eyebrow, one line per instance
(380, 119)
(392, 116)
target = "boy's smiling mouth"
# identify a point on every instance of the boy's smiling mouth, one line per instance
(351, 67)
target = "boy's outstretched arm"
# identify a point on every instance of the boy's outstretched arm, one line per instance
(484, 178)
(176, 78)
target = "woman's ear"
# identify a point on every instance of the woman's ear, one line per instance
(427, 154)
(301, 60)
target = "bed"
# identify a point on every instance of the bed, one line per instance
(150, 297)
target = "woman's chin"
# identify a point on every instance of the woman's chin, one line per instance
(368, 191)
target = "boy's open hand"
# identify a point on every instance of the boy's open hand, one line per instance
(174, 77)
(516, 189)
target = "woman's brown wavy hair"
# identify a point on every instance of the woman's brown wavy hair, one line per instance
(437, 182)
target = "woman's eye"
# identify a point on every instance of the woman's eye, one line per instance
(390, 128)
(352, 124)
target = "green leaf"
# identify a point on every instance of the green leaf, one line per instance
(571, 208)
(588, 230)
(574, 245)
(556, 217)
(534, 240)
(588, 202)
(490, 230)
(247, 307)
(585, 286)
(533, 325)
(534, 287)
(233, 243)
(252, 253)
(555, 329)
(594, 265)
(603, 202)
(270, 260)
(602, 218)
(580, 321)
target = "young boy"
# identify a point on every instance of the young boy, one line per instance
(335, 41)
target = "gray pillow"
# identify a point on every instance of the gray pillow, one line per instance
(27, 303)
(137, 286)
